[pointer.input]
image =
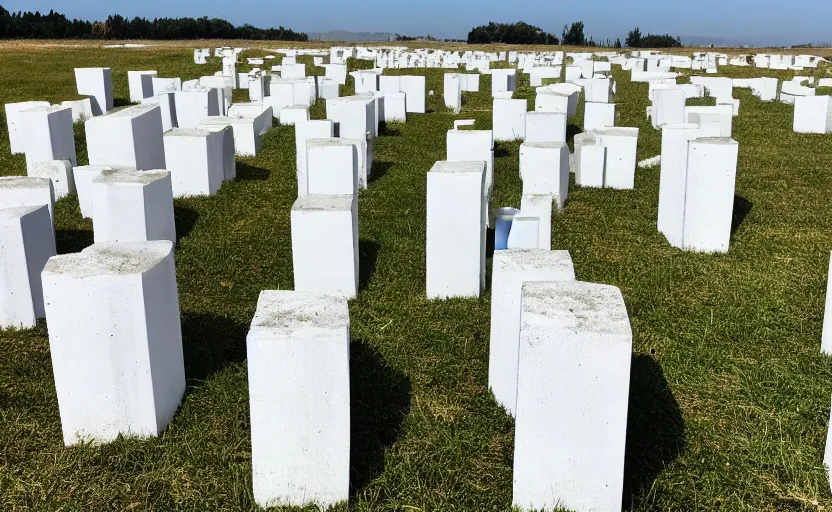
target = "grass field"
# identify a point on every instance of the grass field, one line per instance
(729, 396)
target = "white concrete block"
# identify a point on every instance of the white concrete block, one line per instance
(453, 91)
(13, 123)
(195, 161)
(812, 114)
(826, 342)
(395, 107)
(325, 244)
(471, 82)
(722, 114)
(414, 89)
(525, 232)
(668, 107)
(540, 207)
(59, 171)
(256, 86)
(140, 84)
(572, 394)
(503, 80)
(16, 191)
(81, 109)
(27, 241)
(511, 269)
(328, 88)
(552, 101)
(472, 146)
(167, 109)
(261, 113)
(133, 206)
(97, 83)
(545, 127)
(163, 85)
(228, 150)
(83, 176)
(131, 137)
(246, 132)
(509, 119)
(544, 168)
(590, 161)
(195, 105)
(48, 135)
(331, 167)
(456, 227)
(573, 73)
(709, 194)
(598, 115)
(620, 169)
(304, 131)
(121, 296)
(537, 74)
(300, 422)
(673, 176)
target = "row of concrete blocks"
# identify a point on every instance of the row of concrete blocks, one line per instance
(696, 188)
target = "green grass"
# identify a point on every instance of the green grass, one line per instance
(729, 397)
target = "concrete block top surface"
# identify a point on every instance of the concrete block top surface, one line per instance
(290, 311)
(130, 177)
(323, 203)
(618, 131)
(110, 258)
(520, 259)
(720, 141)
(18, 212)
(187, 132)
(679, 126)
(48, 110)
(23, 182)
(544, 145)
(128, 112)
(328, 142)
(576, 306)
(458, 167)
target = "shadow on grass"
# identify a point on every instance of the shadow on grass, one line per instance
(571, 131)
(247, 172)
(210, 343)
(378, 170)
(501, 151)
(121, 102)
(185, 219)
(742, 207)
(367, 257)
(72, 240)
(388, 131)
(379, 403)
(655, 428)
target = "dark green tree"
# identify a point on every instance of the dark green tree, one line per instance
(574, 35)
(634, 38)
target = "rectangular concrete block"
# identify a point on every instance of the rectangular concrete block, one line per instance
(709, 194)
(598, 115)
(300, 422)
(131, 137)
(668, 107)
(509, 119)
(414, 89)
(331, 167)
(162, 85)
(81, 109)
(167, 109)
(195, 162)
(395, 107)
(115, 340)
(813, 114)
(456, 227)
(590, 161)
(229, 165)
(539, 206)
(722, 114)
(195, 105)
(27, 241)
(453, 91)
(304, 131)
(826, 341)
(133, 206)
(245, 129)
(48, 135)
(140, 84)
(83, 176)
(289, 116)
(552, 101)
(261, 113)
(97, 83)
(572, 393)
(545, 127)
(620, 167)
(525, 232)
(13, 123)
(325, 244)
(59, 172)
(673, 176)
(544, 169)
(388, 84)
(16, 191)
(471, 146)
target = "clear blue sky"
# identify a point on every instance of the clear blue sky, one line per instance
(772, 21)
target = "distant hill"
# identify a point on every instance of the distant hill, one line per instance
(350, 37)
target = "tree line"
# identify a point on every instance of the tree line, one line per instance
(34, 25)
(572, 35)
